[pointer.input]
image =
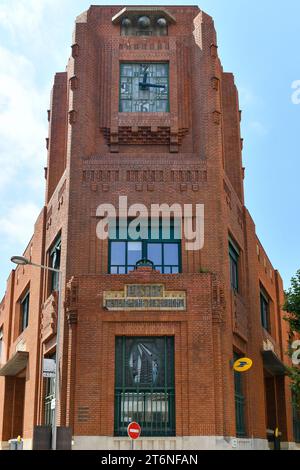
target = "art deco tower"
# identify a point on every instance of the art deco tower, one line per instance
(150, 330)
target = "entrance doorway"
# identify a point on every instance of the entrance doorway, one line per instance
(14, 407)
(275, 410)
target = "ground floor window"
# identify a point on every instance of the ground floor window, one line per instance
(145, 389)
(239, 402)
(49, 398)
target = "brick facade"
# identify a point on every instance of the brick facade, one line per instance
(193, 154)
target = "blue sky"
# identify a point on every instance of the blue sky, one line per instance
(258, 41)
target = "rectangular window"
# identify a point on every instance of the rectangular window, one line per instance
(265, 310)
(49, 397)
(234, 254)
(1, 343)
(24, 312)
(164, 253)
(54, 262)
(145, 389)
(239, 402)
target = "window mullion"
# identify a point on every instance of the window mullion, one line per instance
(126, 256)
(144, 249)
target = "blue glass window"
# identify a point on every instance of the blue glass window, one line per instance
(234, 255)
(24, 312)
(164, 253)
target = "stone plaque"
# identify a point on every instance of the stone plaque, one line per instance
(144, 297)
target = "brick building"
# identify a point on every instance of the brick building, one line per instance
(149, 330)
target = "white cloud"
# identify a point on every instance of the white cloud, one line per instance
(20, 16)
(23, 124)
(17, 224)
(30, 32)
(27, 19)
(35, 26)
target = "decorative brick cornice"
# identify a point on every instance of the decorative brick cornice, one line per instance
(144, 135)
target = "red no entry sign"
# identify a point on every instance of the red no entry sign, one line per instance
(134, 430)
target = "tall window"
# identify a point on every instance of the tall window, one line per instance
(234, 254)
(265, 310)
(24, 312)
(49, 397)
(239, 402)
(1, 343)
(144, 390)
(54, 262)
(164, 253)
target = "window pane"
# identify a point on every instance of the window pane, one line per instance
(171, 254)
(264, 309)
(175, 270)
(24, 312)
(234, 251)
(134, 252)
(233, 273)
(154, 253)
(117, 253)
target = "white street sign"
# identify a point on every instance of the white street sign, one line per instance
(49, 368)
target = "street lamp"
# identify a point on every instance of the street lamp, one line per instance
(21, 260)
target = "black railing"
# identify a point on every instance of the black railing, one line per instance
(153, 410)
(240, 415)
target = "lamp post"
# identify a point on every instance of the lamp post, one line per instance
(21, 260)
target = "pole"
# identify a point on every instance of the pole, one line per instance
(57, 387)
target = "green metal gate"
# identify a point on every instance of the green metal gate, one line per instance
(144, 390)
